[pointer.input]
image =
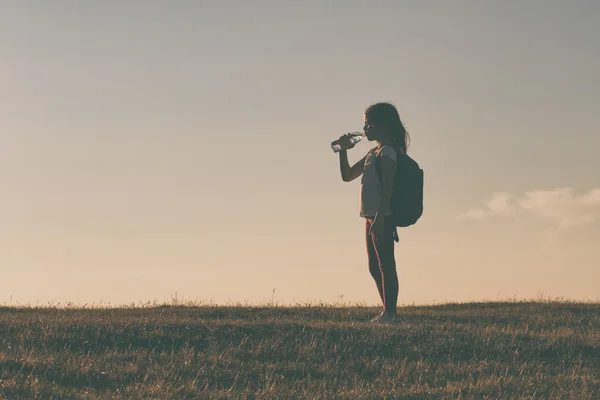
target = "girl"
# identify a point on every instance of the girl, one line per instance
(383, 126)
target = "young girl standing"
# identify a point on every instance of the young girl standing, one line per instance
(383, 126)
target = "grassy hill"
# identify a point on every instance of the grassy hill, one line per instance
(548, 350)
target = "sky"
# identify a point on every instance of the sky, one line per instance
(152, 150)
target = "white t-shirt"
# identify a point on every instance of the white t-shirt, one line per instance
(370, 186)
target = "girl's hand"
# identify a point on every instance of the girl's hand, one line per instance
(345, 142)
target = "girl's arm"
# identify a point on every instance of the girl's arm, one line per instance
(350, 173)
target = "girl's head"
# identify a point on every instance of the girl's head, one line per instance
(382, 123)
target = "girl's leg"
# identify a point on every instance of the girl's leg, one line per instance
(384, 248)
(374, 261)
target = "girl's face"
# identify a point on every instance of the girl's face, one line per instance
(371, 131)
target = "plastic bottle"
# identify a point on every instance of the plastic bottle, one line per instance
(355, 137)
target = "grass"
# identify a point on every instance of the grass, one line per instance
(503, 350)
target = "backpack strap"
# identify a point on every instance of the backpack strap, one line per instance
(379, 175)
(378, 163)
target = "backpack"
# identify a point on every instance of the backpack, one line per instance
(407, 197)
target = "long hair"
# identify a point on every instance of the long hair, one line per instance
(385, 115)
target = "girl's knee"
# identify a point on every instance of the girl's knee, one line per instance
(387, 267)
(374, 269)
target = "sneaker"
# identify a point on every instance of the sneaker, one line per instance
(384, 318)
(377, 318)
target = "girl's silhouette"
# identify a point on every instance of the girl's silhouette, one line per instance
(383, 126)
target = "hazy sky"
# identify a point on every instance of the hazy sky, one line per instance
(151, 147)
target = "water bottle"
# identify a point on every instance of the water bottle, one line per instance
(355, 137)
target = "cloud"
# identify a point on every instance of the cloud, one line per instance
(560, 207)
(499, 204)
